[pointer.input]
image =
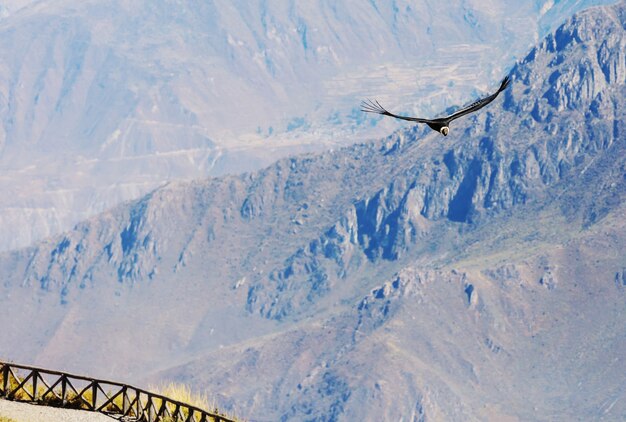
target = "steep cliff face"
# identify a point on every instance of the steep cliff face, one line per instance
(564, 112)
(399, 277)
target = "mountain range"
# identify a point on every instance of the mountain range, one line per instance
(102, 101)
(481, 276)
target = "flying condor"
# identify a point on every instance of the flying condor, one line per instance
(441, 124)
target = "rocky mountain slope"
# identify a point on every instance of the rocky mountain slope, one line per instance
(104, 100)
(474, 277)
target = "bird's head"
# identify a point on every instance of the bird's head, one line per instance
(444, 130)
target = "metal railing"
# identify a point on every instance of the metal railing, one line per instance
(60, 389)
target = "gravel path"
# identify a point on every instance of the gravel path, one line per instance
(24, 412)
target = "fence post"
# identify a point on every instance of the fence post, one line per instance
(125, 401)
(35, 375)
(139, 413)
(94, 395)
(161, 409)
(176, 408)
(63, 390)
(5, 379)
(151, 415)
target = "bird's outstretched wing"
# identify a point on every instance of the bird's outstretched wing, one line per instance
(480, 103)
(370, 106)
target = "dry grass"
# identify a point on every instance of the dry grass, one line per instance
(5, 419)
(182, 393)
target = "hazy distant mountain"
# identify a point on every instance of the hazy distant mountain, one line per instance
(474, 277)
(104, 100)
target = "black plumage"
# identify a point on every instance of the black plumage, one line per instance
(441, 124)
